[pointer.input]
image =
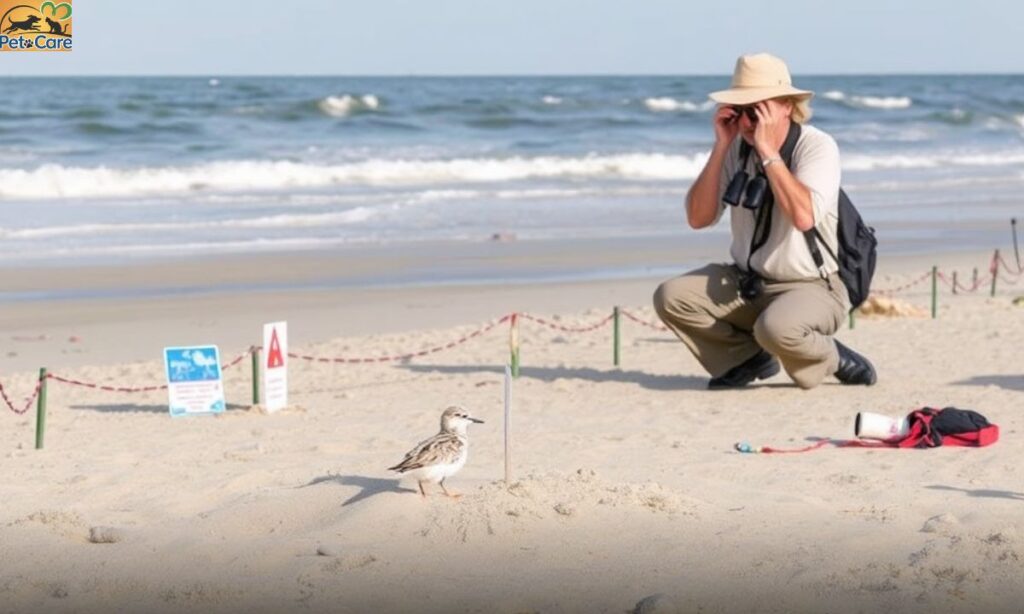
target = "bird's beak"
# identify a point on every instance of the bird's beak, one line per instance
(478, 421)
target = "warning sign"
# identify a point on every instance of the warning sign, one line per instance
(275, 366)
(194, 384)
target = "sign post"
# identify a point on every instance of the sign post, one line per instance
(194, 384)
(275, 366)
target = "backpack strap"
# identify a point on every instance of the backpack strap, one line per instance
(813, 237)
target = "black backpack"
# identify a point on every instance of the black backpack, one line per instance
(857, 251)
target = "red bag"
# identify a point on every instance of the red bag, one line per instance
(931, 428)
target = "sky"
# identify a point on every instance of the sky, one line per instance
(527, 37)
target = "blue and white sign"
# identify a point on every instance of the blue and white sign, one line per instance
(194, 384)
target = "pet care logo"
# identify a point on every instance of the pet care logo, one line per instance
(24, 27)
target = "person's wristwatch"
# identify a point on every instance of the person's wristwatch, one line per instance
(765, 163)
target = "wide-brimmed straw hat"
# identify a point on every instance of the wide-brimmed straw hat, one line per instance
(759, 77)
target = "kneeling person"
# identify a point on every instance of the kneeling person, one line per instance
(773, 303)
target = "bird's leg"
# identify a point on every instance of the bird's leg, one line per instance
(453, 496)
(422, 492)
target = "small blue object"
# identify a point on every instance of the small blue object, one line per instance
(744, 447)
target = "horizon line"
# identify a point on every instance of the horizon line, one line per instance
(508, 75)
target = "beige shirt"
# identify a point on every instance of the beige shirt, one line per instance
(785, 256)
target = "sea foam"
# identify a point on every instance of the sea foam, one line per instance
(284, 221)
(57, 181)
(345, 105)
(869, 102)
(665, 104)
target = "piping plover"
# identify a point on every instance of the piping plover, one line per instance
(442, 455)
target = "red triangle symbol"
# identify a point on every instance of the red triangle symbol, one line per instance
(274, 357)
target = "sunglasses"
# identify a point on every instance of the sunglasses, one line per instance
(745, 110)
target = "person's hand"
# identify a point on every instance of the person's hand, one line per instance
(768, 119)
(726, 123)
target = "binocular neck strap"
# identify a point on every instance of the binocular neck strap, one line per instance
(763, 223)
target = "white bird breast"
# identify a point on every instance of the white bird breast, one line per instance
(436, 473)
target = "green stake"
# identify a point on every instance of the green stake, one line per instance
(41, 410)
(954, 283)
(995, 271)
(617, 344)
(255, 351)
(935, 290)
(852, 318)
(974, 280)
(513, 343)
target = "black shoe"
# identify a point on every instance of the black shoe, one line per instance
(762, 366)
(854, 368)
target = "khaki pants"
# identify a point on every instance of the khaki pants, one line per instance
(792, 320)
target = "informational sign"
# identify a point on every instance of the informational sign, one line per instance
(275, 366)
(194, 384)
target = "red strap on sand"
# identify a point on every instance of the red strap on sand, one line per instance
(837, 443)
(977, 439)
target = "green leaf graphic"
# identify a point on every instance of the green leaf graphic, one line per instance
(55, 9)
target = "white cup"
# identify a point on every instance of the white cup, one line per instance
(877, 426)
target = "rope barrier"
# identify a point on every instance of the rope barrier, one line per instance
(133, 389)
(998, 267)
(956, 286)
(566, 329)
(974, 286)
(951, 284)
(906, 286)
(28, 400)
(410, 355)
(95, 386)
(1012, 281)
(1015, 272)
(642, 322)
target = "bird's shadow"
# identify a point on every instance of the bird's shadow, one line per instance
(1008, 382)
(368, 486)
(981, 492)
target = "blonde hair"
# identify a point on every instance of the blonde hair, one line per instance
(801, 108)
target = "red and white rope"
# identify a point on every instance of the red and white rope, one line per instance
(643, 322)
(132, 389)
(406, 356)
(566, 329)
(1006, 267)
(906, 286)
(108, 388)
(28, 400)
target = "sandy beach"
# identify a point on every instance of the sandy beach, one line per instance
(625, 480)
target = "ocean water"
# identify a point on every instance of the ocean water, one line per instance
(102, 169)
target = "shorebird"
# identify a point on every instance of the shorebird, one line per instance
(441, 456)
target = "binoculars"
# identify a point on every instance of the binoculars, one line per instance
(751, 285)
(741, 184)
